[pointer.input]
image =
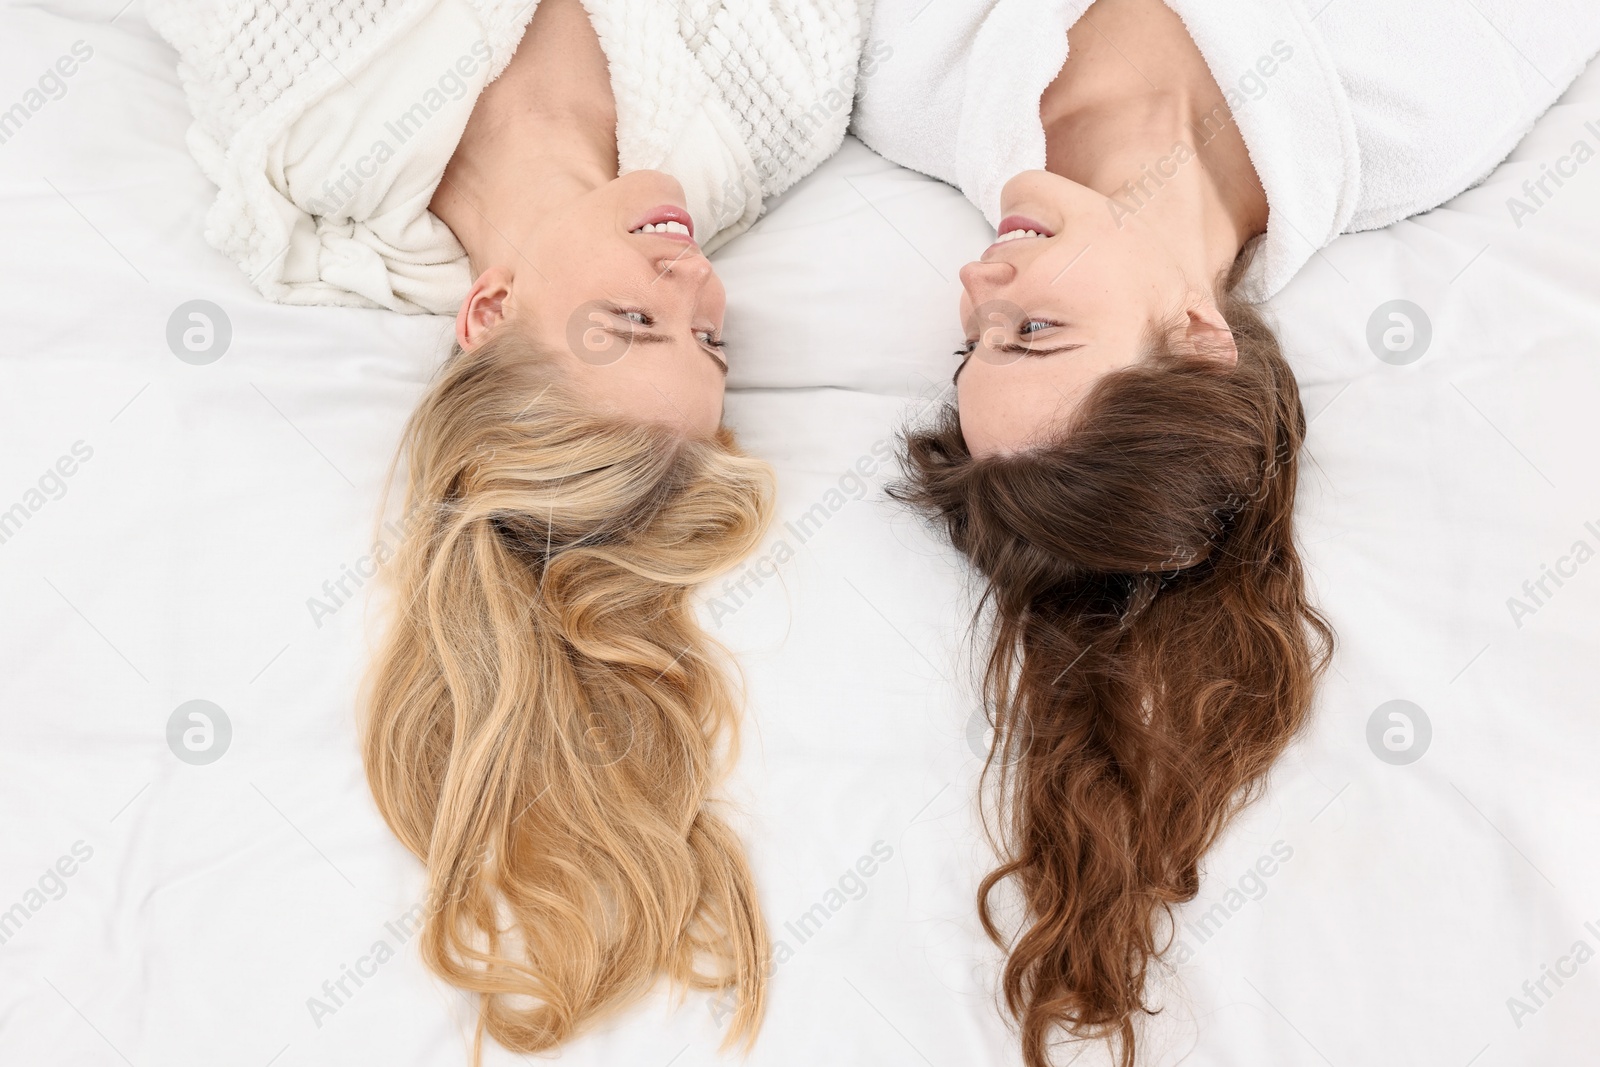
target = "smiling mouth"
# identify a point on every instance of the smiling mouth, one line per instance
(665, 220)
(1017, 228)
(1014, 226)
(671, 226)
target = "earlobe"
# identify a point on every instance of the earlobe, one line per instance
(1209, 336)
(486, 306)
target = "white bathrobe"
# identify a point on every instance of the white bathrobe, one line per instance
(327, 124)
(1356, 113)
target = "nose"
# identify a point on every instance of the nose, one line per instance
(690, 282)
(691, 267)
(981, 279)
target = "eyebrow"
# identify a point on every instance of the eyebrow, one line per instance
(646, 338)
(1021, 350)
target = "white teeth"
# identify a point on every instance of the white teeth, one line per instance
(1012, 235)
(664, 227)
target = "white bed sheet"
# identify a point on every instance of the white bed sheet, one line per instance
(176, 563)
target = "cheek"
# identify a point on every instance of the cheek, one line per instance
(692, 405)
(714, 301)
(969, 408)
(713, 418)
(574, 256)
(696, 393)
(994, 409)
(964, 309)
(1130, 285)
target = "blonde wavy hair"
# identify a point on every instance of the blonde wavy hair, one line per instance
(546, 720)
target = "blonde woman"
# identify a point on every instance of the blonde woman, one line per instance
(546, 720)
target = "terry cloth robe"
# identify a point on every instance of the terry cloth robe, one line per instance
(1356, 113)
(327, 124)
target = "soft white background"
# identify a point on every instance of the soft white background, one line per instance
(178, 563)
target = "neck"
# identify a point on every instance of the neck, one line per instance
(540, 136)
(1169, 152)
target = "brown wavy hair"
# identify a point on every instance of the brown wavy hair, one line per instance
(1154, 652)
(546, 720)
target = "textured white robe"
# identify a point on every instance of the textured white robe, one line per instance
(327, 124)
(1356, 113)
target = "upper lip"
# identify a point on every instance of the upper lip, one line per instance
(1010, 224)
(666, 213)
(1023, 222)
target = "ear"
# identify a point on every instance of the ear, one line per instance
(488, 303)
(1208, 334)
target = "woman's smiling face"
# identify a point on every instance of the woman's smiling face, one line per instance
(615, 285)
(1047, 316)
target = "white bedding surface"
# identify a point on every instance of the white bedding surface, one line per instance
(176, 562)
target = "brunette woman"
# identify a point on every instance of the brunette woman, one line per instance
(1121, 460)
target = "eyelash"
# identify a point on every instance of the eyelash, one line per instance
(967, 346)
(646, 320)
